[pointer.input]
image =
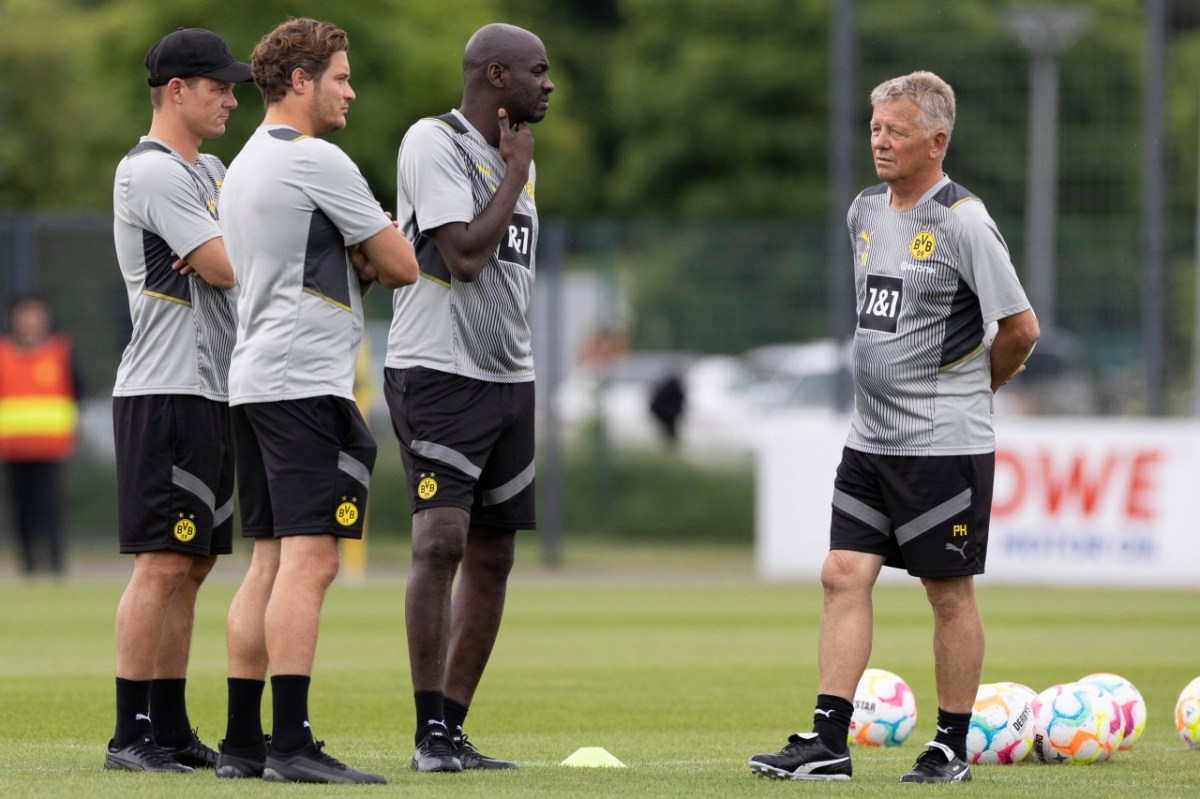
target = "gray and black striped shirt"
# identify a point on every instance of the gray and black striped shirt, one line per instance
(928, 280)
(165, 207)
(447, 172)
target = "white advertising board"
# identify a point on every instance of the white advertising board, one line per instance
(1077, 501)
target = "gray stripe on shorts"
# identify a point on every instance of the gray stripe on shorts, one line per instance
(448, 456)
(221, 514)
(910, 530)
(193, 485)
(494, 496)
(861, 511)
(355, 468)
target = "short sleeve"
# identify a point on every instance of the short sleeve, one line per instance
(162, 197)
(986, 266)
(338, 188)
(431, 173)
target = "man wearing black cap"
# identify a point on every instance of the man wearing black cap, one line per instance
(170, 406)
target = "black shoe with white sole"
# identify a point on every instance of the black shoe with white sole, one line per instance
(805, 757)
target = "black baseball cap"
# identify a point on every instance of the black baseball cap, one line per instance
(192, 53)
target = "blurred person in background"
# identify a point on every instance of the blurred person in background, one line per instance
(667, 405)
(170, 411)
(914, 487)
(459, 376)
(40, 389)
(307, 240)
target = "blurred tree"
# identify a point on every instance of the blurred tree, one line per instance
(720, 109)
(72, 111)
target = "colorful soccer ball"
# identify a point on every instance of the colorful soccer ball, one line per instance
(1072, 723)
(1020, 688)
(1001, 730)
(1187, 714)
(1129, 700)
(885, 710)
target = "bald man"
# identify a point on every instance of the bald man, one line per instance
(459, 375)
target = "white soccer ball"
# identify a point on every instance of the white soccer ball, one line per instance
(885, 710)
(1001, 729)
(1073, 723)
(1020, 688)
(1130, 702)
(1187, 714)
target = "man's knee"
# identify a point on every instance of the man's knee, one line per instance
(950, 597)
(439, 537)
(848, 572)
(166, 570)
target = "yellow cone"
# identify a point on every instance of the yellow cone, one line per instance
(593, 757)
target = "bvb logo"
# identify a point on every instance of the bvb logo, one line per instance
(346, 514)
(922, 245)
(185, 530)
(427, 487)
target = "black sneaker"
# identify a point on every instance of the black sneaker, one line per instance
(142, 755)
(310, 764)
(804, 758)
(241, 763)
(470, 757)
(436, 753)
(938, 763)
(194, 753)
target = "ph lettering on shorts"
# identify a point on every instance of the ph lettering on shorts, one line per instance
(959, 529)
(185, 529)
(347, 512)
(427, 487)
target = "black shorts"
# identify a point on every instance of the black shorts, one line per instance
(174, 474)
(466, 444)
(926, 514)
(304, 467)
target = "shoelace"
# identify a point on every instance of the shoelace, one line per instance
(440, 745)
(930, 760)
(154, 754)
(464, 744)
(328, 760)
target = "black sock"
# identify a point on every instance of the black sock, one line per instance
(243, 725)
(952, 731)
(456, 714)
(133, 712)
(168, 711)
(831, 721)
(430, 711)
(290, 731)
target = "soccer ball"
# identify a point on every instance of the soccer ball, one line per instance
(1187, 714)
(1130, 702)
(1020, 688)
(1001, 730)
(1072, 723)
(885, 710)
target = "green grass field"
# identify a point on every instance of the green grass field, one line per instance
(676, 661)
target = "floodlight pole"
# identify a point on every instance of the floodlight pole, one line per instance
(843, 116)
(1153, 255)
(1045, 32)
(1196, 294)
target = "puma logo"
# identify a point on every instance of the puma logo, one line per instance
(961, 549)
(866, 237)
(141, 717)
(826, 713)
